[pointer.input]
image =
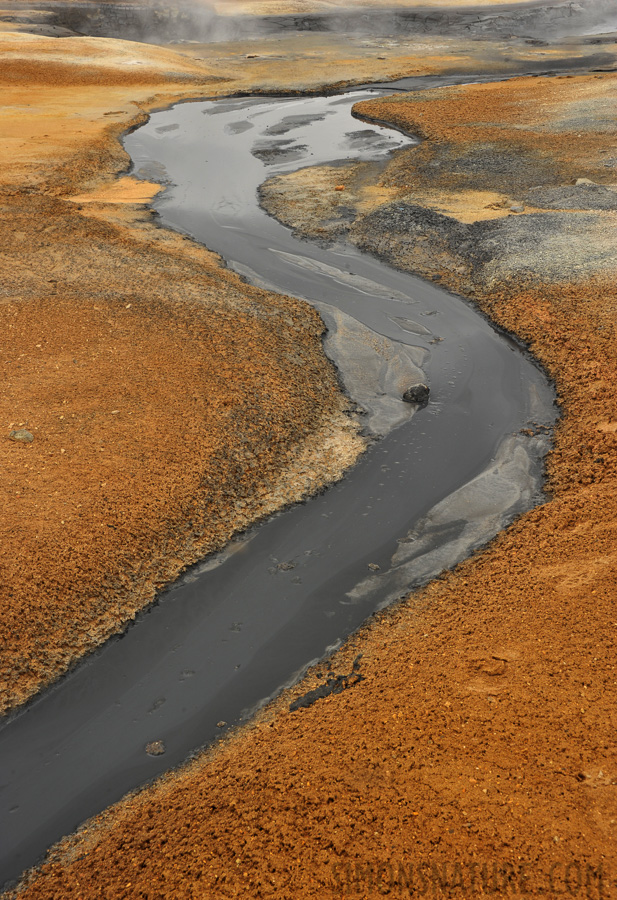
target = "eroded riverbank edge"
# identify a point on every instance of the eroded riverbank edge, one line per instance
(402, 640)
(217, 645)
(61, 202)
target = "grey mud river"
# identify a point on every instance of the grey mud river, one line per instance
(435, 485)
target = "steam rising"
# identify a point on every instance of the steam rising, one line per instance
(227, 20)
(604, 15)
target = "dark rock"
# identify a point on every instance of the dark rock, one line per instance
(417, 393)
(25, 437)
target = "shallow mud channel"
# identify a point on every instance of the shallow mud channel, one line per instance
(436, 482)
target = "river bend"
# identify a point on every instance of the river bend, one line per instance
(239, 627)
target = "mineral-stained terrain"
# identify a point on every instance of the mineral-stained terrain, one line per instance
(169, 403)
(476, 754)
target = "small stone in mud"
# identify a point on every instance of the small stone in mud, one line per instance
(25, 437)
(155, 748)
(221, 724)
(417, 393)
(286, 566)
(374, 567)
(517, 207)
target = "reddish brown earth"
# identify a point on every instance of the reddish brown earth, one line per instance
(477, 755)
(78, 248)
(169, 403)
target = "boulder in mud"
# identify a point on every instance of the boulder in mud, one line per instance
(417, 393)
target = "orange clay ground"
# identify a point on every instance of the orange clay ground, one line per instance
(133, 472)
(477, 755)
(143, 370)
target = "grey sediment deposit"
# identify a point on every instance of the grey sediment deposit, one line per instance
(377, 370)
(491, 252)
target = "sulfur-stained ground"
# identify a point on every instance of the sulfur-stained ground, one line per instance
(477, 754)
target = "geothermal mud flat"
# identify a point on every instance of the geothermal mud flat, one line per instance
(498, 661)
(166, 23)
(435, 487)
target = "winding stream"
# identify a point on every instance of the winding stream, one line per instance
(237, 628)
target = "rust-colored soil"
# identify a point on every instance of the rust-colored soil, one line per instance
(78, 247)
(477, 755)
(154, 439)
(170, 404)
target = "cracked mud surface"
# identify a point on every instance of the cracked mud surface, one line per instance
(482, 731)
